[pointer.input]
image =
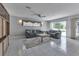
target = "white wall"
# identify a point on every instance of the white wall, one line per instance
(71, 27)
(17, 29)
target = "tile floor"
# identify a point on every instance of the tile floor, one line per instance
(54, 47)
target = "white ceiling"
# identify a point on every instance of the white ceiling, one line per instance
(51, 10)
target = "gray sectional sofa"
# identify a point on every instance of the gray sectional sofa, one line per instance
(34, 33)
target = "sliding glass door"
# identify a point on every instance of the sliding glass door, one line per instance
(59, 26)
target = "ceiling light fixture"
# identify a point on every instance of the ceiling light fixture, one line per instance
(20, 21)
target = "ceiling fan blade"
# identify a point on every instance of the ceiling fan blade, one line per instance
(34, 13)
(28, 7)
(39, 15)
(43, 16)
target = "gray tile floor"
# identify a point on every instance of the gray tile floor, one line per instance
(54, 47)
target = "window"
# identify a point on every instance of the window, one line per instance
(58, 25)
(31, 23)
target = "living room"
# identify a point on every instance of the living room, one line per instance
(38, 29)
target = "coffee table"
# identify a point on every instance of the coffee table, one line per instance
(42, 36)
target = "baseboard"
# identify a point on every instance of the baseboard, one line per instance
(71, 37)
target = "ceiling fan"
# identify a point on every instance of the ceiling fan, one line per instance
(34, 13)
